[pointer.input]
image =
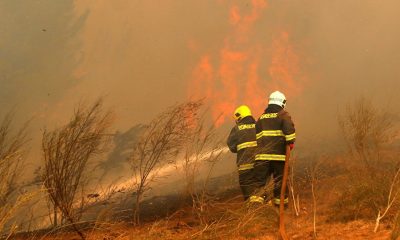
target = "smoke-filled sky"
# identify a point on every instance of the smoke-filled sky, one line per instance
(147, 55)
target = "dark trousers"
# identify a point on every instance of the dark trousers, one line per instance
(263, 172)
(247, 183)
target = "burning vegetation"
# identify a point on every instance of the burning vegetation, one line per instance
(363, 192)
(171, 175)
(232, 75)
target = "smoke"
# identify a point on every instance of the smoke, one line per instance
(38, 54)
(147, 55)
(350, 51)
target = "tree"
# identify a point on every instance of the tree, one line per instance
(202, 150)
(374, 172)
(66, 153)
(366, 130)
(161, 141)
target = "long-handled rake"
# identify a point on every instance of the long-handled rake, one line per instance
(282, 230)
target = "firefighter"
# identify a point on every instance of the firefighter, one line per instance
(275, 130)
(242, 140)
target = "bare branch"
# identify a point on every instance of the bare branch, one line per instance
(161, 142)
(66, 153)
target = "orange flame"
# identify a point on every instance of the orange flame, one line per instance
(284, 65)
(231, 77)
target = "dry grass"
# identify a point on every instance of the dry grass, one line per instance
(340, 195)
(396, 228)
(12, 146)
(231, 220)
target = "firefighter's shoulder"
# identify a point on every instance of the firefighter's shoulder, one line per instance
(235, 128)
(284, 114)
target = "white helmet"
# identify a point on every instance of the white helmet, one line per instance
(277, 98)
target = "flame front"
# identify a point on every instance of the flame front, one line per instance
(245, 69)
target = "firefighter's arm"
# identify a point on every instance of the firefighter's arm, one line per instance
(258, 130)
(288, 129)
(258, 127)
(232, 140)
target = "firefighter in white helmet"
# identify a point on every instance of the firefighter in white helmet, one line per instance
(242, 140)
(275, 130)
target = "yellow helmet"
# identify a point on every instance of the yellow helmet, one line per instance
(241, 112)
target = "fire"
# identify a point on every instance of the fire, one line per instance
(284, 65)
(237, 74)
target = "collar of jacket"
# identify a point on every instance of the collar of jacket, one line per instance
(247, 120)
(273, 108)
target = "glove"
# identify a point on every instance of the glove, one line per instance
(291, 146)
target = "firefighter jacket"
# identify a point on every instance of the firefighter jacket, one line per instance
(275, 130)
(242, 140)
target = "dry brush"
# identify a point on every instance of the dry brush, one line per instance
(160, 144)
(372, 167)
(12, 149)
(67, 152)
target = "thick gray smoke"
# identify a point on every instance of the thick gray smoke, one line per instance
(140, 55)
(39, 54)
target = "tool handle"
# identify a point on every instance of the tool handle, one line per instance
(282, 230)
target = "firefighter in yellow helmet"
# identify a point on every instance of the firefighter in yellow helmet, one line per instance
(242, 140)
(275, 130)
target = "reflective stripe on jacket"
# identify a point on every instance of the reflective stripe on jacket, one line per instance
(242, 140)
(274, 130)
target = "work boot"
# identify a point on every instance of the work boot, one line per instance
(254, 202)
(256, 199)
(277, 202)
